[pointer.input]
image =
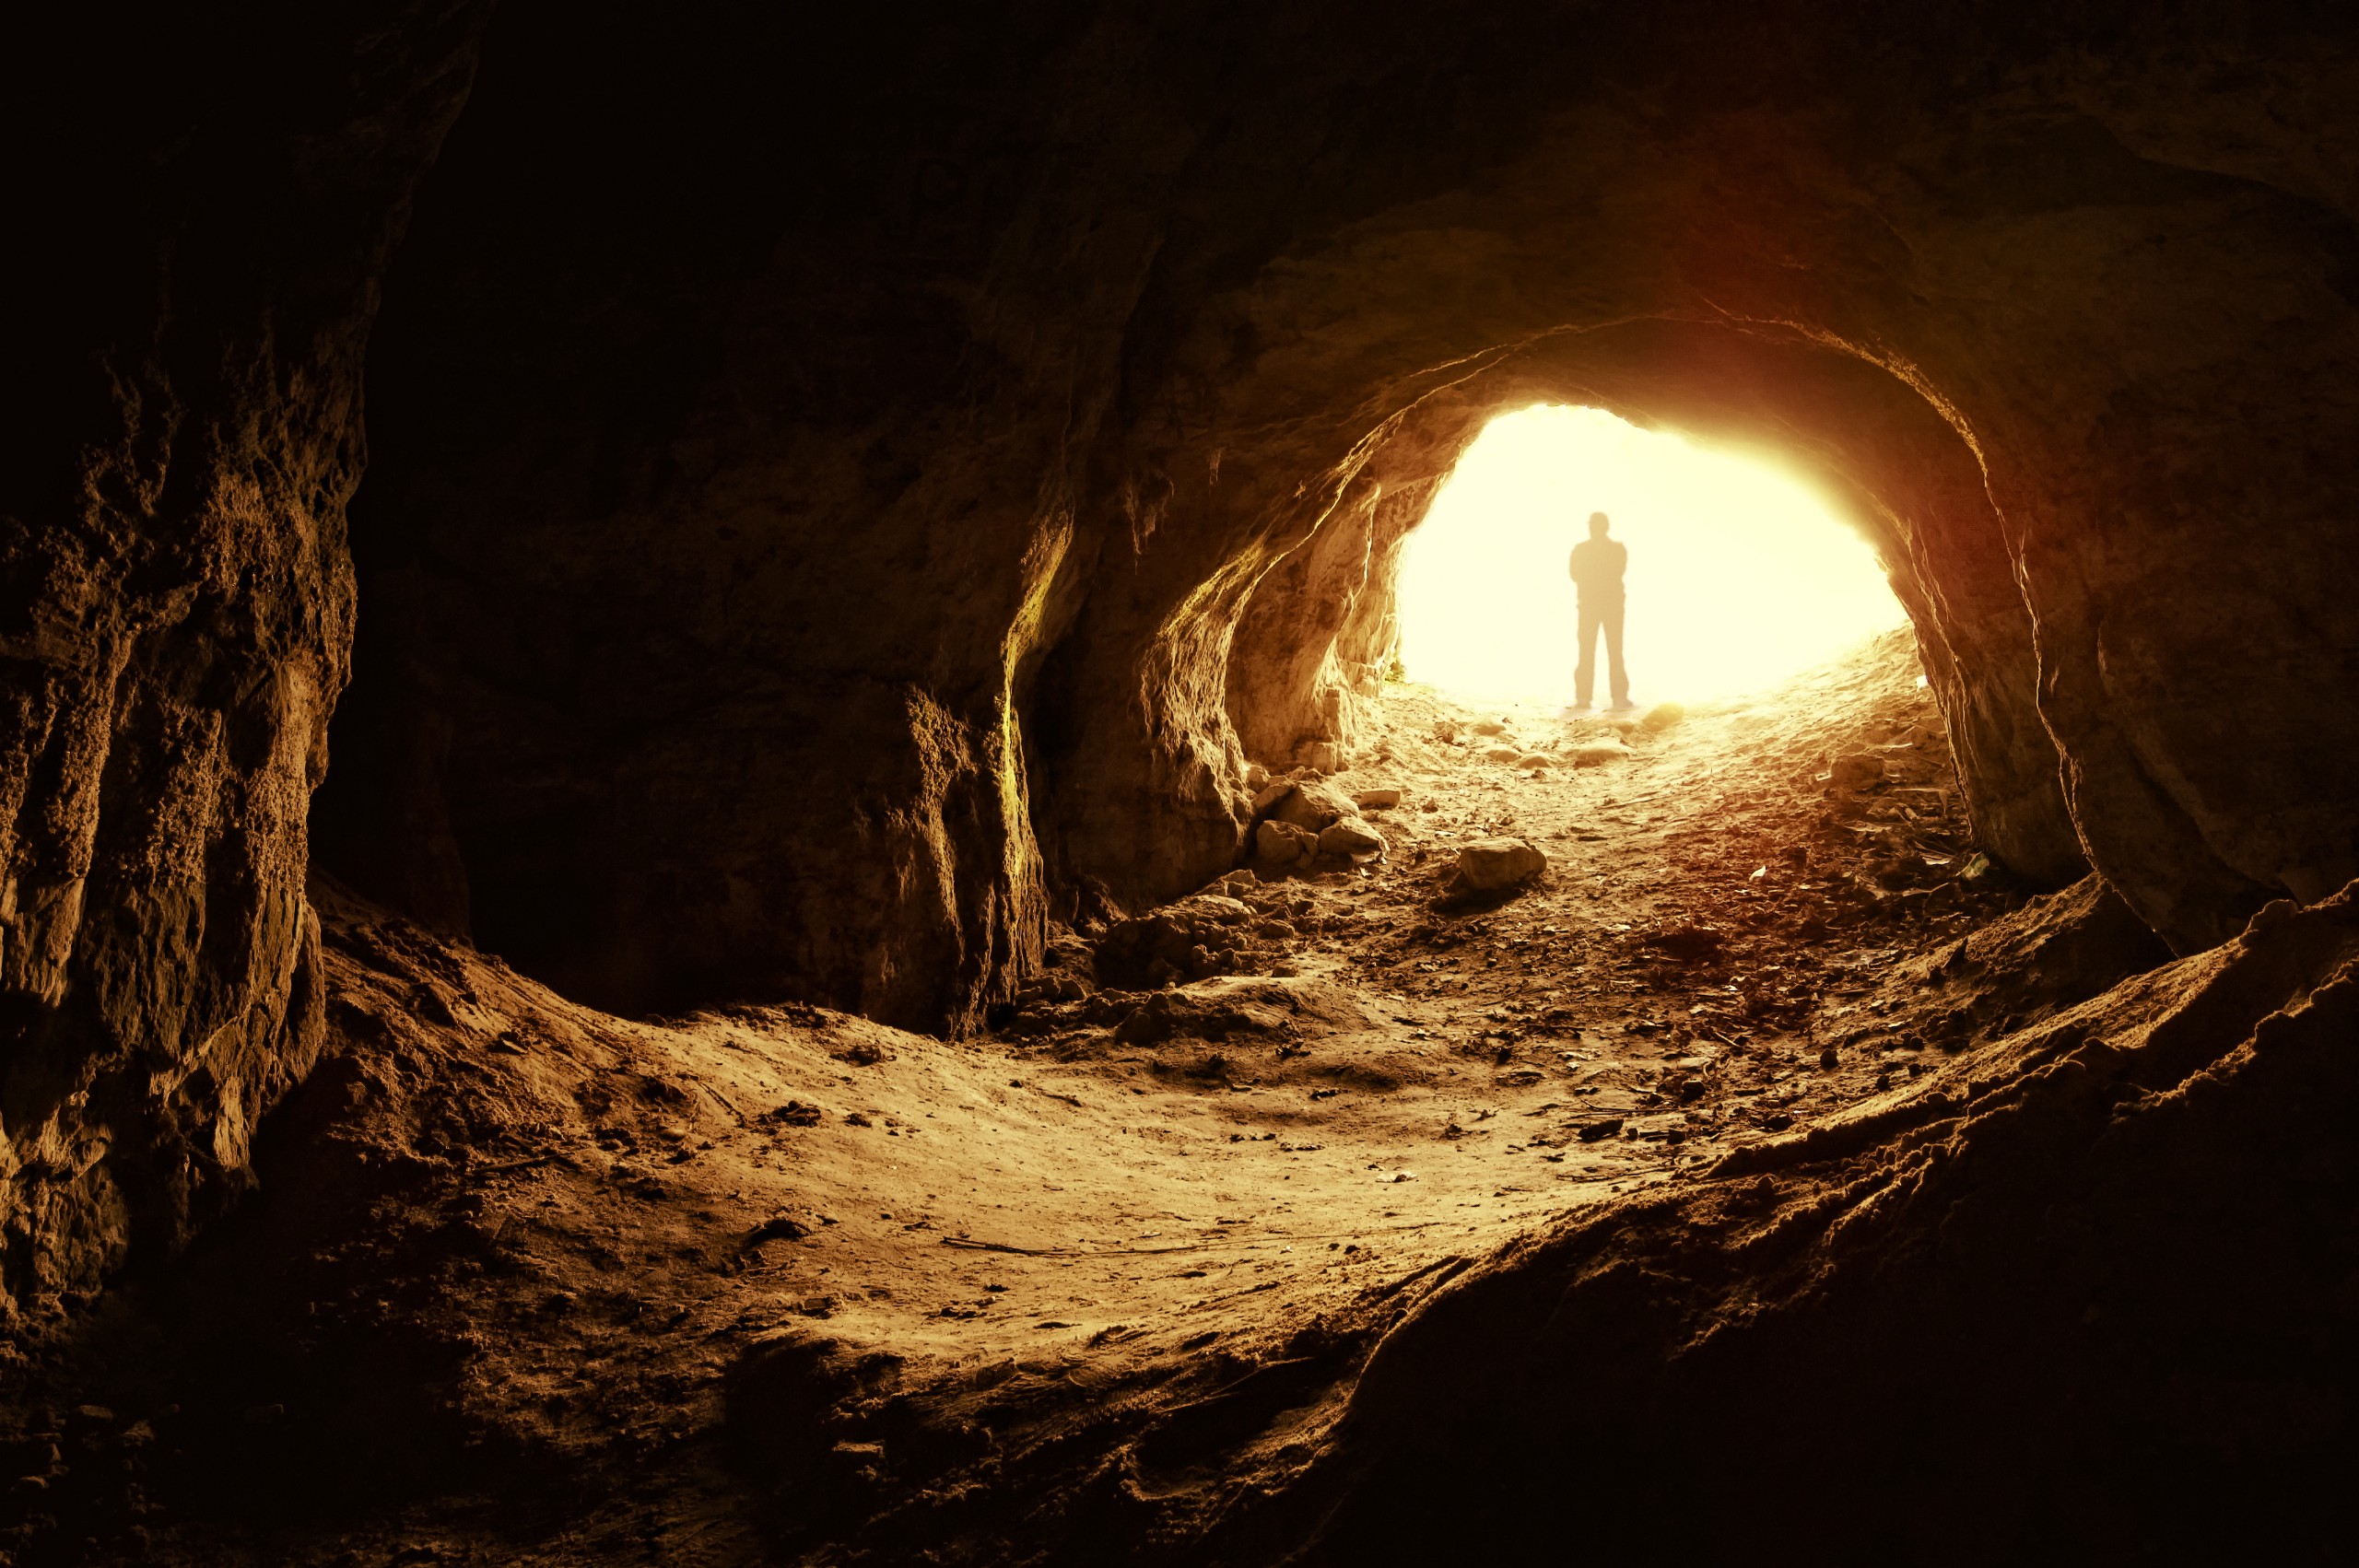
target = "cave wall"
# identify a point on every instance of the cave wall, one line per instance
(816, 535)
(840, 497)
(206, 207)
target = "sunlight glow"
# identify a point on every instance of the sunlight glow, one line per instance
(1739, 577)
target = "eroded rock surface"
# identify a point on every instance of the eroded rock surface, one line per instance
(176, 600)
(717, 697)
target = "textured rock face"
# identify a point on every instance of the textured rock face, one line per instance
(175, 598)
(755, 564)
(820, 532)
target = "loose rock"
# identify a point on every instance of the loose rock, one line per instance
(1311, 806)
(1351, 838)
(1861, 770)
(1271, 794)
(1277, 844)
(1594, 753)
(1495, 865)
(1662, 716)
(1376, 799)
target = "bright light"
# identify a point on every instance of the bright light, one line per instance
(1738, 575)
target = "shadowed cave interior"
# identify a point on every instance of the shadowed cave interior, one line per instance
(708, 859)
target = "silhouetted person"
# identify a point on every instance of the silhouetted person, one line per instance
(1596, 567)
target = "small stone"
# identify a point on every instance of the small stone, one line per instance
(1596, 753)
(779, 1227)
(1777, 1122)
(1350, 838)
(1256, 778)
(1826, 1058)
(1281, 843)
(1493, 865)
(1598, 1132)
(1311, 806)
(1271, 794)
(1488, 727)
(1504, 756)
(1219, 906)
(1861, 770)
(1535, 759)
(1376, 799)
(1661, 717)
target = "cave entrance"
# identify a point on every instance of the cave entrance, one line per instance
(1740, 575)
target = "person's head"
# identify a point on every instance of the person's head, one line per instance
(1597, 525)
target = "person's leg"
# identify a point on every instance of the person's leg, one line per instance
(1616, 675)
(1585, 673)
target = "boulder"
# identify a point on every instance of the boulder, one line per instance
(1496, 865)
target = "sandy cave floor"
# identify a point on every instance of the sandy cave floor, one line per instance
(504, 1242)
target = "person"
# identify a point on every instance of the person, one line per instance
(1596, 567)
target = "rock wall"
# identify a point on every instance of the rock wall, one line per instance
(202, 247)
(817, 535)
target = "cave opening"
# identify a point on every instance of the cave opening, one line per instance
(1740, 571)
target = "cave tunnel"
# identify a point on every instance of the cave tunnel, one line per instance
(706, 856)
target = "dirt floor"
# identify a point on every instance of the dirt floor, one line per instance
(527, 1283)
